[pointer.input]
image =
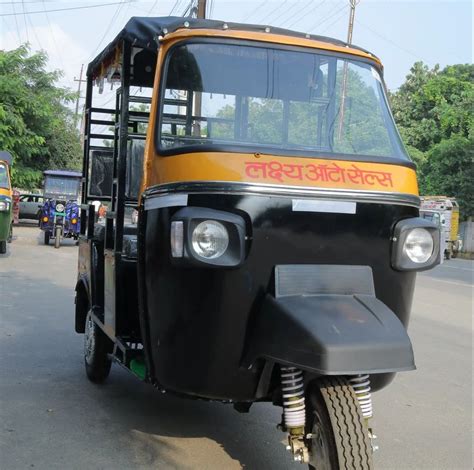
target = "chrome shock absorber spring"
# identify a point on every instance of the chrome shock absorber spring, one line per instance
(292, 386)
(361, 386)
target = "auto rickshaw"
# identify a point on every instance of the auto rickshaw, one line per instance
(447, 209)
(6, 202)
(278, 234)
(59, 215)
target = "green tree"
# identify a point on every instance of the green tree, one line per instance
(434, 104)
(36, 125)
(434, 112)
(448, 170)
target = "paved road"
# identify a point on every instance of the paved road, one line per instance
(51, 417)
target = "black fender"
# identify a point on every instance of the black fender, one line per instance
(329, 323)
(82, 301)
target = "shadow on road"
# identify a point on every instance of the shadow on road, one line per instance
(128, 424)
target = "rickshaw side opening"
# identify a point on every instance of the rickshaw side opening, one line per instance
(259, 269)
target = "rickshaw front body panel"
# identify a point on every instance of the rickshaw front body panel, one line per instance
(200, 320)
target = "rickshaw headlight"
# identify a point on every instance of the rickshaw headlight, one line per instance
(4, 206)
(415, 245)
(419, 245)
(210, 239)
(59, 207)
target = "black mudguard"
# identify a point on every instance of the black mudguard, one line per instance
(328, 321)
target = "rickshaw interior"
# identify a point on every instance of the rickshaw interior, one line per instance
(292, 101)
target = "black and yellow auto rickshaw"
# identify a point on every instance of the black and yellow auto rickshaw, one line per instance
(278, 235)
(6, 201)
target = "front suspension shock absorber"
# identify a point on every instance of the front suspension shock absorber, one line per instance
(361, 386)
(292, 387)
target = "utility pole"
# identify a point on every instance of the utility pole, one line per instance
(350, 29)
(201, 13)
(80, 81)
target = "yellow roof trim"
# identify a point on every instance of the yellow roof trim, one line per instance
(270, 38)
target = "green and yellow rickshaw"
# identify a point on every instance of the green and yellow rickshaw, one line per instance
(6, 202)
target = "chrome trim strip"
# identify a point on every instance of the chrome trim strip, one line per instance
(327, 206)
(227, 187)
(166, 200)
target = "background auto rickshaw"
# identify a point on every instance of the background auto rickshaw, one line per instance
(448, 210)
(278, 234)
(6, 204)
(59, 217)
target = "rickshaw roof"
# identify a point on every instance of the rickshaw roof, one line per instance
(66, 173)
(6, 157)
(143, 32)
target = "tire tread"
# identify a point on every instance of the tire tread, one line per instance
(350, 430)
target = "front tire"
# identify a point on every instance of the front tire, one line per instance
(340, 437)
(57, 237)
(47, 236)
(96, 348)
(3, 247)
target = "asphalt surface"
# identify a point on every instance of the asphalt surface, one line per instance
(51, 417)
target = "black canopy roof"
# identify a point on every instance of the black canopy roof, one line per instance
(143, 32)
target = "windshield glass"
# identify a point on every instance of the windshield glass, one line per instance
(60, 186)
(4, 181)
(249, 96)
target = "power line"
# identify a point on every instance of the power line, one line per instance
(175, 6)
(114, 17)
(268, 19)
(18, 3)
(17, 27)
(26, 24)
(295, 13)
(152, 7)
(53, 35)
(389, 40)
(305, 14)
(255, 10)
(342, 14)
(69, 8)
(333, 13)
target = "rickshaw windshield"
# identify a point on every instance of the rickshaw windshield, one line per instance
(4, 180)
(55, 186)
(220, 95)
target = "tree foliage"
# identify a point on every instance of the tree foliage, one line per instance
(434, 112)
(36, 125)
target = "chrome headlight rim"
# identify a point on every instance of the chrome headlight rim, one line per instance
(419, 245)
(60, 207)
(5, 205)
(184, 224)
(220, 238)
(410, 228)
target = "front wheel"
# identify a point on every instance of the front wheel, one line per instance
(96, 349)
(3, 247)
(57, 239)
(47, 236)
(339, 437)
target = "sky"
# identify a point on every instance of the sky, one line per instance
(400, 32)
